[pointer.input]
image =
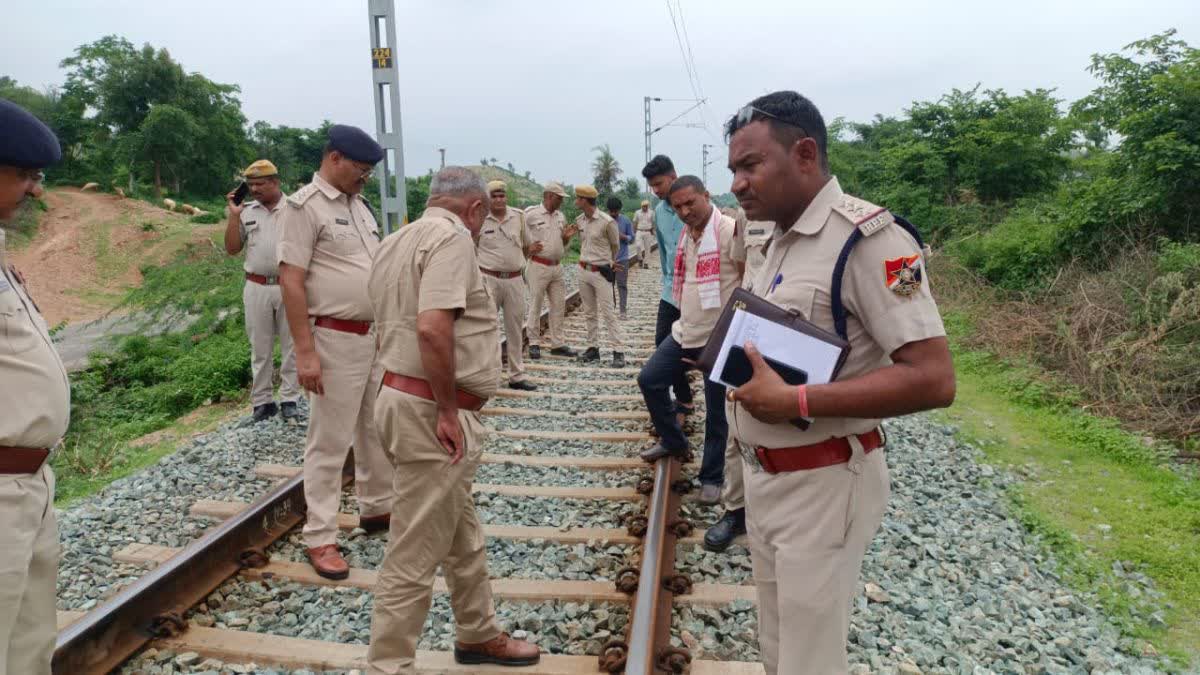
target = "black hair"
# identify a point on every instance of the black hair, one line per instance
(614, 204)
(660, 165)
(328, 148)
(688, 181)
(790, 116)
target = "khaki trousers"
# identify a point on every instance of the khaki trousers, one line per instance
(28, 571)
(645, 239)
(509, 296)
(546, 280)
(344, 416)
(809, 531)
(733, 492)
(265, 319)
(433, 523)
(596, 294)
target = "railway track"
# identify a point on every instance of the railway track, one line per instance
(572, 444)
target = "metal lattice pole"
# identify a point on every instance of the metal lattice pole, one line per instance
(385, 85)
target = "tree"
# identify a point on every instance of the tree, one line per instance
(483, 162)
(527, 175)
(166, 139)
(631, 188)
(510, 168)
(605, 170)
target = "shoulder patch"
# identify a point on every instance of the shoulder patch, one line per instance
(297, 198)
(867, 217)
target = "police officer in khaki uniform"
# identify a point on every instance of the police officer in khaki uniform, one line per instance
(815, 498)
(438, 346)
(503, 244)
(328, 236)
(643, 222)
(35, 406)
(754, 236)
(599, 242)
(251, 225)
(549, 235)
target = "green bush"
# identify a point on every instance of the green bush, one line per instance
(1023, 251)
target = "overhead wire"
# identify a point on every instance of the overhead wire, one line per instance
(693, 81)
(691, 57)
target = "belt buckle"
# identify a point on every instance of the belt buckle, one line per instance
(272, 281)
(749, 456)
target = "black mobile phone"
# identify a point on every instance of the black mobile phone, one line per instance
(240, 193)
(738, 370)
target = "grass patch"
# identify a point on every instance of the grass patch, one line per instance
(1100, 497)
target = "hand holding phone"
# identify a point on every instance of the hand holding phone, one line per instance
(239, 195)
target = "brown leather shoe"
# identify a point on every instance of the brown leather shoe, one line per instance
(501, 650)
(328, 562)
(378, 523)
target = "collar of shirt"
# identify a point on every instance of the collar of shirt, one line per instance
(439, 212)
(509, 214)
(817, 213)
(327, 188)
(259, 205)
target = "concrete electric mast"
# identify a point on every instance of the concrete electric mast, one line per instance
(385, 85)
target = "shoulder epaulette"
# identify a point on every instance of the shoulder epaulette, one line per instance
(864, 215)
(297, 198)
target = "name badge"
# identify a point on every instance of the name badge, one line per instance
(341, 221)
(758, 231)
(248, 223)
(488, 231)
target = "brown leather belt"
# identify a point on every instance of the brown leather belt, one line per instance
(22, 460)
(344, 325)
(260, 279)
(543, 261)
(815, 456)
(590, 267)
(420, 388)
(499, 275)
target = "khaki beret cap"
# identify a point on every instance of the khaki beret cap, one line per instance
(586, 191)
(494, 185)
(260, 169)
(556, 188)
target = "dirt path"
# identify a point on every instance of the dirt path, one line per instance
(89, 249)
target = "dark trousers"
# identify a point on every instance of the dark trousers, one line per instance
(668, 314)
(655, 380)
(623, 282)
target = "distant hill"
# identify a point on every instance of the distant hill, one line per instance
(525, 191)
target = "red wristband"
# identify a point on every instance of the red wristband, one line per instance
(802, 399)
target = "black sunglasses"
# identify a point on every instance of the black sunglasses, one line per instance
(747, 113)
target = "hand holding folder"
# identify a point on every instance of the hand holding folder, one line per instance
(796, 349)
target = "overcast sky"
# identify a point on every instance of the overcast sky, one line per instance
(539, 84)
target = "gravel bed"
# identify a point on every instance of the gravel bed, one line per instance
(343, 614)
(558, 476)
(703, 566)
(564, 386)
(531, 559)
(552, 448)
(151, 507)
(553, 512)
(726, 633)
(570, 405)
(548, 423)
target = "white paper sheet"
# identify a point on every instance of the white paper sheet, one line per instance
(798, 350)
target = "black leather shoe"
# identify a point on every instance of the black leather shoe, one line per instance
(535, 352)
(618, 360)
(522, 385)
(592, 354)
(720, 536)
(656, 452)
(264, 411)
(563, 351)
(288, 410)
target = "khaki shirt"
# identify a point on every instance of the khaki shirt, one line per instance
(880, 320)
(643, 220)
(754, 236)
(599, 238)
(547, 228)
(695, 323)
(260, 236)
(430, 264)
(35, 394)
(333, 236)
(501, 242)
